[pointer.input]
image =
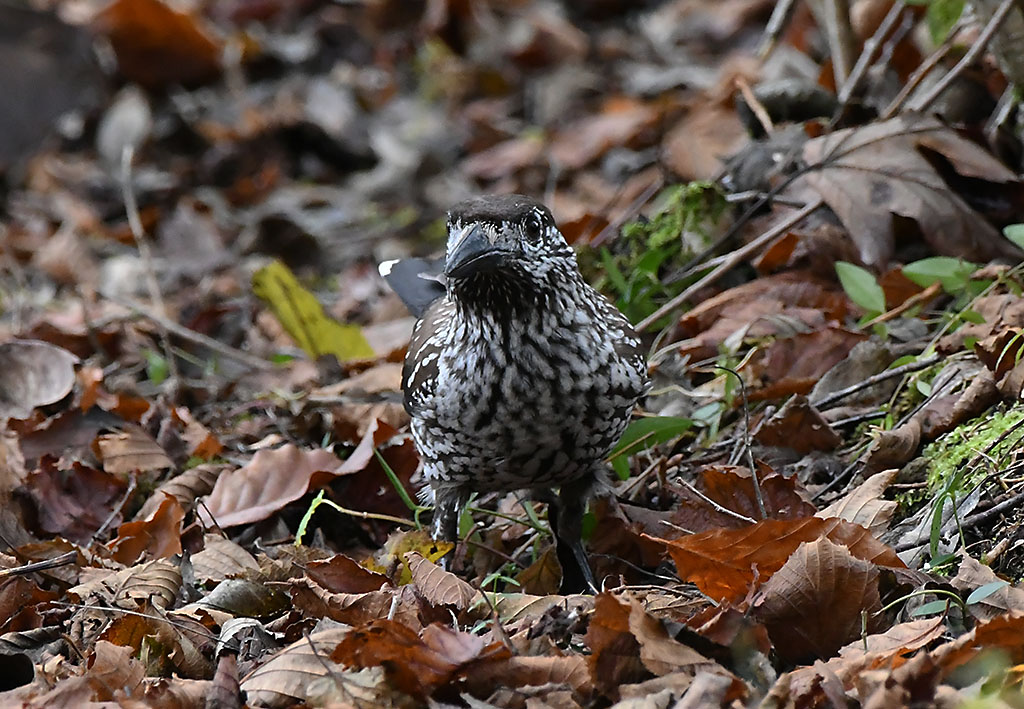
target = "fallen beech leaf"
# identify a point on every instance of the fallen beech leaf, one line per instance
(793, 365)
(437, 586)
(724, 563)
(973, 575)
(245, 598)
(131, 450)
(304, 318)
(159, 535)
(871, 173)
(622, 122)
(417, 664)
(357, 609)
(761, 308)
(73, 502)
(291, 674)
(186, 488)
(1003, 633)
(864, 505)
(157, 583)
(113, 667)
(221, 559)
(732, 488)
(268, 482)
(33, 373)
(614, 651)
(156, 46)
(542, 577)
(341, 574)
(881, 650)
(895, 446)
(813, 604)
(799, 426)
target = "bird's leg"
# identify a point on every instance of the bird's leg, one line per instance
(566, 520)
(448, 503)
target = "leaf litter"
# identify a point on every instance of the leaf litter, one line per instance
(209, 497)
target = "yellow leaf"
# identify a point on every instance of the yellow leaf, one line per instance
(304, 318)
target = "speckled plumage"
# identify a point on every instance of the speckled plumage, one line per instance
(522, 376)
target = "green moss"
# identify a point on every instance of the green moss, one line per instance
(633, 269)
(949, 456)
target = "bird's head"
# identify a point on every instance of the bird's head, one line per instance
(508, 242)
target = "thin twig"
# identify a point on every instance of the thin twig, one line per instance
(875, 379)
(717, 507)
(62, 560)
(977, 49)
(773, 30)
(131, 207)
(192, 336)
(746, 440)
(734, 258)
(923, 69)
(867, 55)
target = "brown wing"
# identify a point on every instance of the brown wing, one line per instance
(420, 371)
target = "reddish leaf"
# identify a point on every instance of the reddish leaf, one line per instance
(724, 563)
(156, 46)
(157, 536)
(817, 602)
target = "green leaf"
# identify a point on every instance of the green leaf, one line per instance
(157, 369)
(1015, 233)
(929, 608)
(942, 15)
(982, 592)
(647, 432)
(952, 273)
(301, 314)
(614, 274)
(861, 286)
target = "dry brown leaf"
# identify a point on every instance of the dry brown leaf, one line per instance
(522, 607)
(543, 577)
(356, 608)
(185, 488)
(74, 502)
(417, 664)
(437, 586)
(972, 575)
(614, 651)
(290, 675)
(799, 426)
(814, 604)
(156, 46)
(793, 365)
(763, 307)
(131, 450)
(341, 574)
(864, 504)
(158, 536)
(732, 488)
(241, 597)
(895, 446)
(271, 480)
(621, 122)
(113, 673)
(33, 373)
(568, 671)
(156, 582)
(870, 173)
(724, 563)
(221, 559)
(1004, 633)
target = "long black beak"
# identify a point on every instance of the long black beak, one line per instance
(473, 252)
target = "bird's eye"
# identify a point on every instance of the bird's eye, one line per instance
(534, 228)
